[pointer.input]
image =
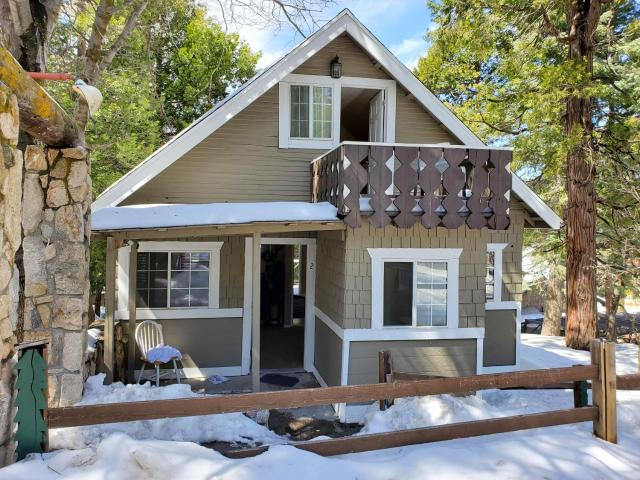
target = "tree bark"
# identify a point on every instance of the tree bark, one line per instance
(611, 303)
(582, 19)
(553, 303)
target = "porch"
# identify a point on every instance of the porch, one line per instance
(228, 327)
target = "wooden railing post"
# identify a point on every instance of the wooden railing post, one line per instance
(384, 369)
(603, 356)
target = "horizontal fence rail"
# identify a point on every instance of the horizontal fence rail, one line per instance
(402, 184)
(415, 436)
(185, 407)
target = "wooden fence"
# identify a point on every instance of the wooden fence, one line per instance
(601, 373)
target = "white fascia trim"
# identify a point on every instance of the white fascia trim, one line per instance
(381, 255)
(200, 129)
(533, 201)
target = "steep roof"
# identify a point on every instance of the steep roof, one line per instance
(344, 22)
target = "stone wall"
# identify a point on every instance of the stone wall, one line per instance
(45, 197)
(56, 231)
(10, 242)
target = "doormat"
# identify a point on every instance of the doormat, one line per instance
(279, 379)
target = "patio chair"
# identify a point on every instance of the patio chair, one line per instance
(154, 352)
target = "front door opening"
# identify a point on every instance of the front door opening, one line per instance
(362, 114)
(282, 306)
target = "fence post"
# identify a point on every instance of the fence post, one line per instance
(383, 370)
(603, 355)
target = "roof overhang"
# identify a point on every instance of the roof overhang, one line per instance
(540, 214)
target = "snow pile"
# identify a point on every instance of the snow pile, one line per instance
(230, 427)
(182, 215)
(93, 334)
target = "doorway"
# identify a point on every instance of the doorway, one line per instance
(287, 302)
(362, 114)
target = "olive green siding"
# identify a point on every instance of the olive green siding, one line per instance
(241, 161)
(500, 338)
(431, 357)
(328, 354)
(204, 342)
(330, 275)
(355, 61)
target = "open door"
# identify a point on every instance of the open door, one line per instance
(376, 117)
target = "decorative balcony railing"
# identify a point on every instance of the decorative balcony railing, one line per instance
(404, 184)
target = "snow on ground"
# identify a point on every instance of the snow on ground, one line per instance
(230, 427)
(563, 452)
(181, 215)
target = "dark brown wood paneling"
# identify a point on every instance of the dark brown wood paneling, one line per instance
(480, 181)
(453, 181)
(380, 181)
(429, 180)
(406, 181)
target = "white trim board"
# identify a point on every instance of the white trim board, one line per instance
(345, 21)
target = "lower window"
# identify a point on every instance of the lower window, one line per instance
(415, 293)
(173, 279)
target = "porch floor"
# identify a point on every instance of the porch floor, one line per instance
(242, 383)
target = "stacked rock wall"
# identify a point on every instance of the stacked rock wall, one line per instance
(45, 197)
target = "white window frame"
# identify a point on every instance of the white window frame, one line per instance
(144, 313)
(379, 256)
(497, 249)
(336, 84)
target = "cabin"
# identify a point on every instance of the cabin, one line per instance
(330, 208)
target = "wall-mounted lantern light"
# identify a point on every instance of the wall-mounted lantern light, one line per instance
(336, 68)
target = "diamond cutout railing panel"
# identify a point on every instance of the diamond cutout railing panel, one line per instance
(438, 186)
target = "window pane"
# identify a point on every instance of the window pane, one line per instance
(158, 279)
(142, 279)
(199, 261)
(142, 298)
(199, 280)
(299, 111)
(398, 293)
(180, 297)
(142, 260)
(322, 112)
(431, 292)
(157, 260)
(490, 279)
(199, 297)
(179, 279)
(180, 260)
(157, 298)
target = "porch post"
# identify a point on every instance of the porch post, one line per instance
(110, 303)
(133, 273)
(255, 313)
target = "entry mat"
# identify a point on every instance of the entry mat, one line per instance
(279, 379)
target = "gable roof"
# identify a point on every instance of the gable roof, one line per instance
(344, 22)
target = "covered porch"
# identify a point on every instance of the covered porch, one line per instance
(234, 243)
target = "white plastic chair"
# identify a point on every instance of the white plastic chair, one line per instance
(149, 336)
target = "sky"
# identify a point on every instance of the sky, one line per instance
(399, 24)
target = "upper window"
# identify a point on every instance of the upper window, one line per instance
(414, 287)
(490, 280)
(311, 112)
(415, 294)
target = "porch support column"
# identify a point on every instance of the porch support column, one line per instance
(255, 313)
(133, 274)
(110, 304)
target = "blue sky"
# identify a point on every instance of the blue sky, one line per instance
(399, 24)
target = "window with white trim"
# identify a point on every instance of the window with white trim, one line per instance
(493, 278)
(415, 294)
(414, 287)
(179, 276)
(311, 112)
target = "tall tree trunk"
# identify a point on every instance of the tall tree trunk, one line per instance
(611, 303)
(553, 302)
(582, 19)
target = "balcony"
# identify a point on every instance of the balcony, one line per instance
(435, 185)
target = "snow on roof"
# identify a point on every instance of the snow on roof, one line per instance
(188, 215)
